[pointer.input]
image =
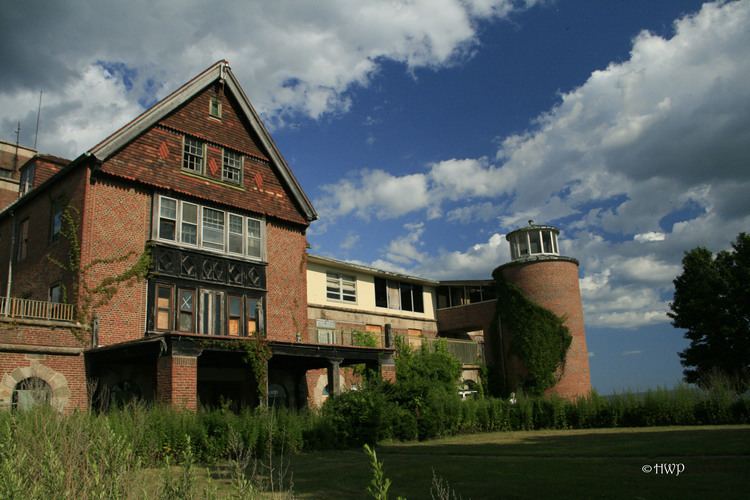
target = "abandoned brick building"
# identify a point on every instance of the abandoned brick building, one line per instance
(197, 185)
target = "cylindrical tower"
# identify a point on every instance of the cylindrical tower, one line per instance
(551, 281)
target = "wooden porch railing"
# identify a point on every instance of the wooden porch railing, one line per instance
(35, 309)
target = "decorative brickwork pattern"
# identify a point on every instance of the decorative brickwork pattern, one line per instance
(118, 222)
(286, 302)
(141, 160)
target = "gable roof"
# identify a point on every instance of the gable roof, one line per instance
(218, 71)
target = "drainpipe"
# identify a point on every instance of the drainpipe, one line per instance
(6, 312)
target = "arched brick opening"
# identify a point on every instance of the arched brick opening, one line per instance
(58, 384)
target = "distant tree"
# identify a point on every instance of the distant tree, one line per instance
(712, 302)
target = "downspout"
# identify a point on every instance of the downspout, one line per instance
(6, 312)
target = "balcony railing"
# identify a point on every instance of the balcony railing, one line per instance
(35, 309)
(347, 338)
(466, 351)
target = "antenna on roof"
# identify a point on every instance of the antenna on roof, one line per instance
(15, 157)
(38, 113)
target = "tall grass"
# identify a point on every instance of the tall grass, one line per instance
(84, 455)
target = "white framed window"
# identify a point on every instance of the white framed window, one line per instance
(254, 238)
(189, 224)
(213, 228)
(193, 155)
(27, 179)
(234, 245)
(341, 287)
(167, 218)
(194, 225)
(231, 170)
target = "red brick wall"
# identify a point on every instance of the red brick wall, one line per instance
(553, 284)
(37, 334)
(71, 367)
(33, 276)
(44, 168)
(119, 222)
(177, 381)
(8, 196)
(286, 302)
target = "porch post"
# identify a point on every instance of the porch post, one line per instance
(177, 377)
(334, 383)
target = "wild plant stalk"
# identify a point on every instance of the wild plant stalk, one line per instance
(441, 490)
(379, 484)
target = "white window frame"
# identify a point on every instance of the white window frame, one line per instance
(245, 254)
(211, 101)
(338, 284)
(240, 167)
(202, 170)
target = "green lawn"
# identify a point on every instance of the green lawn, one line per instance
(601, 463)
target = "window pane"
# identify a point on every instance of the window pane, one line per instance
(192, 158)
(547, 241)
(536, 245)
(213, 228)
(162, 320)
(235, 233)
(190, 213)
(381, 295)
(235, 306)
(251, 310)
(232, 168)
(394, 297)
(168, 208)
(253, 238)
(406, 303)
(167, 218)
(164, 296)
(166, 229)
(348, 289)
(189, 233)
(523, 246)
(418, 298)
(186, 300)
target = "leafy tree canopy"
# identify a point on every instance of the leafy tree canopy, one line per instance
(712, 302)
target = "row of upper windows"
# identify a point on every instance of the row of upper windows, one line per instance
(194, 160)
(55, 229)
(388, 293)
(194, 225)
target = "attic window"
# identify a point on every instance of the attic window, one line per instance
(214, 107)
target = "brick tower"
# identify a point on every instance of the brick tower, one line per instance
(551, 281)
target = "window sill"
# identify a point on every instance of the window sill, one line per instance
(231, 185)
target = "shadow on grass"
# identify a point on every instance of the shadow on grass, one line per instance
(577, 464)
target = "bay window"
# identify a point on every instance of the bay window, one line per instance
(190, 224)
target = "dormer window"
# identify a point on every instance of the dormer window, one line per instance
(214, 107)
(27, 179)
(193, 155)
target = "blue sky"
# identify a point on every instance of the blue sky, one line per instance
(424, 131)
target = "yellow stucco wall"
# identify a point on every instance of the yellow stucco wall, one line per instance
(316, 292)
